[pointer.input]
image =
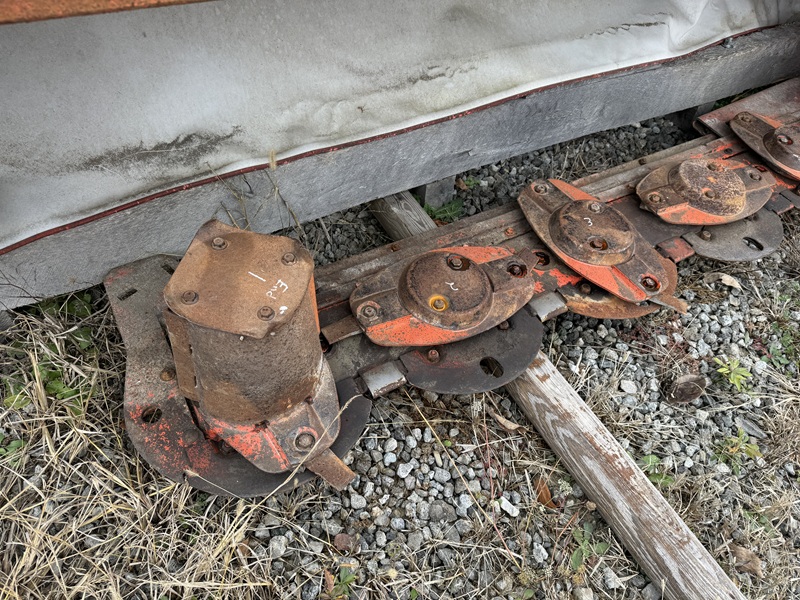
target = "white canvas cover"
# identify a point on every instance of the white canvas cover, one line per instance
(104, 109)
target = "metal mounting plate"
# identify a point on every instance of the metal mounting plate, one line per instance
(746, 240)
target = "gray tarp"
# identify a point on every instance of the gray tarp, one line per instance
(100, 110)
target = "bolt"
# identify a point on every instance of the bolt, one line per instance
(509, 231)
(783, 139)
(655, 198)
(710, 194)
(168, 374)
(585, 288)
(503, 326)
(712, 166)
(369, 311)
(265, 313)
(189, 297)
(754, 176)
(705, 235)
(746, 118)
(595, 207)
(304, 440)
(516, 270)
(649, 283)
(394, 247)
(455, 262)
(288, 258)
(219, 243)
(540, 188)
(438, 304)
(433, 355)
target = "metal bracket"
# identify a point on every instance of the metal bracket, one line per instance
(750, 239)
(443, 296)
(777, 143)
(596, 241)
(705, 192)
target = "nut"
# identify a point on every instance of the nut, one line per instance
(655, 198)
(438, 304)
(595, 207)
(265, 313)
(516, 270)
(219, 243)
(189, 297)
(368, 311)
(288, 258)
(304, 440)
(705, 235)
(455, 262)
(433, 355)
(650, 283)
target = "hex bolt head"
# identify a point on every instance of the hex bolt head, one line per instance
(540, 188)
(595, 207)
(503, 326)
(710, 194)
(713, 166)
(369, 312)
(455, 262)
(168, 374)
(509, 231)
(304, 440)
(754, 176)
(585, 288)
(655, 198)
(265, 313)
(219, 243)
(432, 355)
(649, 283)
(783, 139)
(288, 258)
(189, 297)
(705, 235)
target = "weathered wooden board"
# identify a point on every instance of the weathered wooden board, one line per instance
(401, 216)
(317, 185)
(645, 523)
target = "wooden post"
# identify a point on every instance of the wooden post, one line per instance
(640, 517)
(645, 523)
(401, 215)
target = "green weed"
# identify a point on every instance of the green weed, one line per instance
(652, 466)
(736, 449)
(733, 372)
(586, 548)
(446, 213)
